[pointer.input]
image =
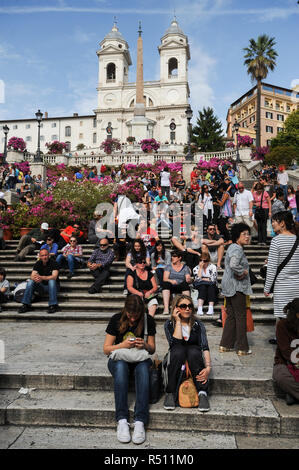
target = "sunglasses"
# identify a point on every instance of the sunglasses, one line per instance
(141, 262)
(104, 244)
(185, 306)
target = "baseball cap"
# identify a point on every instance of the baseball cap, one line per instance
(45, 226)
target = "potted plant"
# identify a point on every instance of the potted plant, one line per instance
(109, 145)
(56, 147)
(245, 140)
(17, 144)
(130, 139)
(6, 223)
(148, 145)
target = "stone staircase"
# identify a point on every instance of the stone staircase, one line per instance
(77, 304)
(58, 359)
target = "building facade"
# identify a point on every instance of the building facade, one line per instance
(276, 105)
(166, 100)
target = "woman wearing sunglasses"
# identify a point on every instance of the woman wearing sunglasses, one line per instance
(187, 340)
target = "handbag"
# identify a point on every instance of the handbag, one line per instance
(155, 378)
(252, 277)
(249, 318)
(284, 263)
(188, 396)
(294, 371)
(259, 211)
(132, 354)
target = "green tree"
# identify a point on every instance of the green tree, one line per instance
(290, 133)
(282, 155)
(260, 57)
(208, 132)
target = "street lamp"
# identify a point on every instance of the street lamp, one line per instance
(5, 130)
(255, 127)
(189, 114)
(39, 117)
(236, 128)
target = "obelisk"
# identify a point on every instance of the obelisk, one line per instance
(139, 102)
(139, 122)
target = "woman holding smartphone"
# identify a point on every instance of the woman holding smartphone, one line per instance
(187, 340)
(126, 330)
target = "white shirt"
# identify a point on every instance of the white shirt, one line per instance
(242, 201)
(283, 178)
(165, 178)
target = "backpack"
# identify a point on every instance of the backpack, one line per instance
(19, 291)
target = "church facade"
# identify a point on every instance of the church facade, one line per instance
(165, 100)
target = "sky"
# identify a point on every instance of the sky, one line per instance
(48, 49)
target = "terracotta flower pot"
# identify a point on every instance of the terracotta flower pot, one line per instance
(24, 230)
(7, 234)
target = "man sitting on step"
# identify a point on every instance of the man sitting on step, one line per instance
(99, 264)
(44, 278)
(32, 241)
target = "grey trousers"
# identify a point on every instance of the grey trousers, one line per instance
(25, 247)
(235, 329)
(284, 379)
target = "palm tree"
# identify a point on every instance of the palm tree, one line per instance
(260, 58)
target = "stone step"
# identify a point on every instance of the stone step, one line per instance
(95, 311)
(96, 409)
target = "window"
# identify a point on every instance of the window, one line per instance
(54, 137)
(111, 72)
(28, 139)
(42, 138)
(280, 117)
(269, 143)
(244, 124)
(279, 129)
(53, 124)
(27, 126)
(252, 119)
(15, 126)
(68, 146)
(94, 138)
(95, 122)
(173, 68)
(269, 115)
(68, 131)
(269, 129)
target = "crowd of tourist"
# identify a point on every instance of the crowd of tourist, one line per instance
(185, 277)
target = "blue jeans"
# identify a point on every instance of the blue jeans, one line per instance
(71, 260)
(51, 288)
(120, 371)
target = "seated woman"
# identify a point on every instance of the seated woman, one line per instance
(160, 258)
(176, 279)
(205, 281)
(126, 330)
(187, 342)
(143, 283)
(138, 249)
(286, 362)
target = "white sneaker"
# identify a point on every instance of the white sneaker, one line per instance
(123, 431)
(139, 433)
(199, 311)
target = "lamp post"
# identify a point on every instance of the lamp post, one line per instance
(189, 114)
(39, 117)
(255, 130)
(5, 130)
(236, 128)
